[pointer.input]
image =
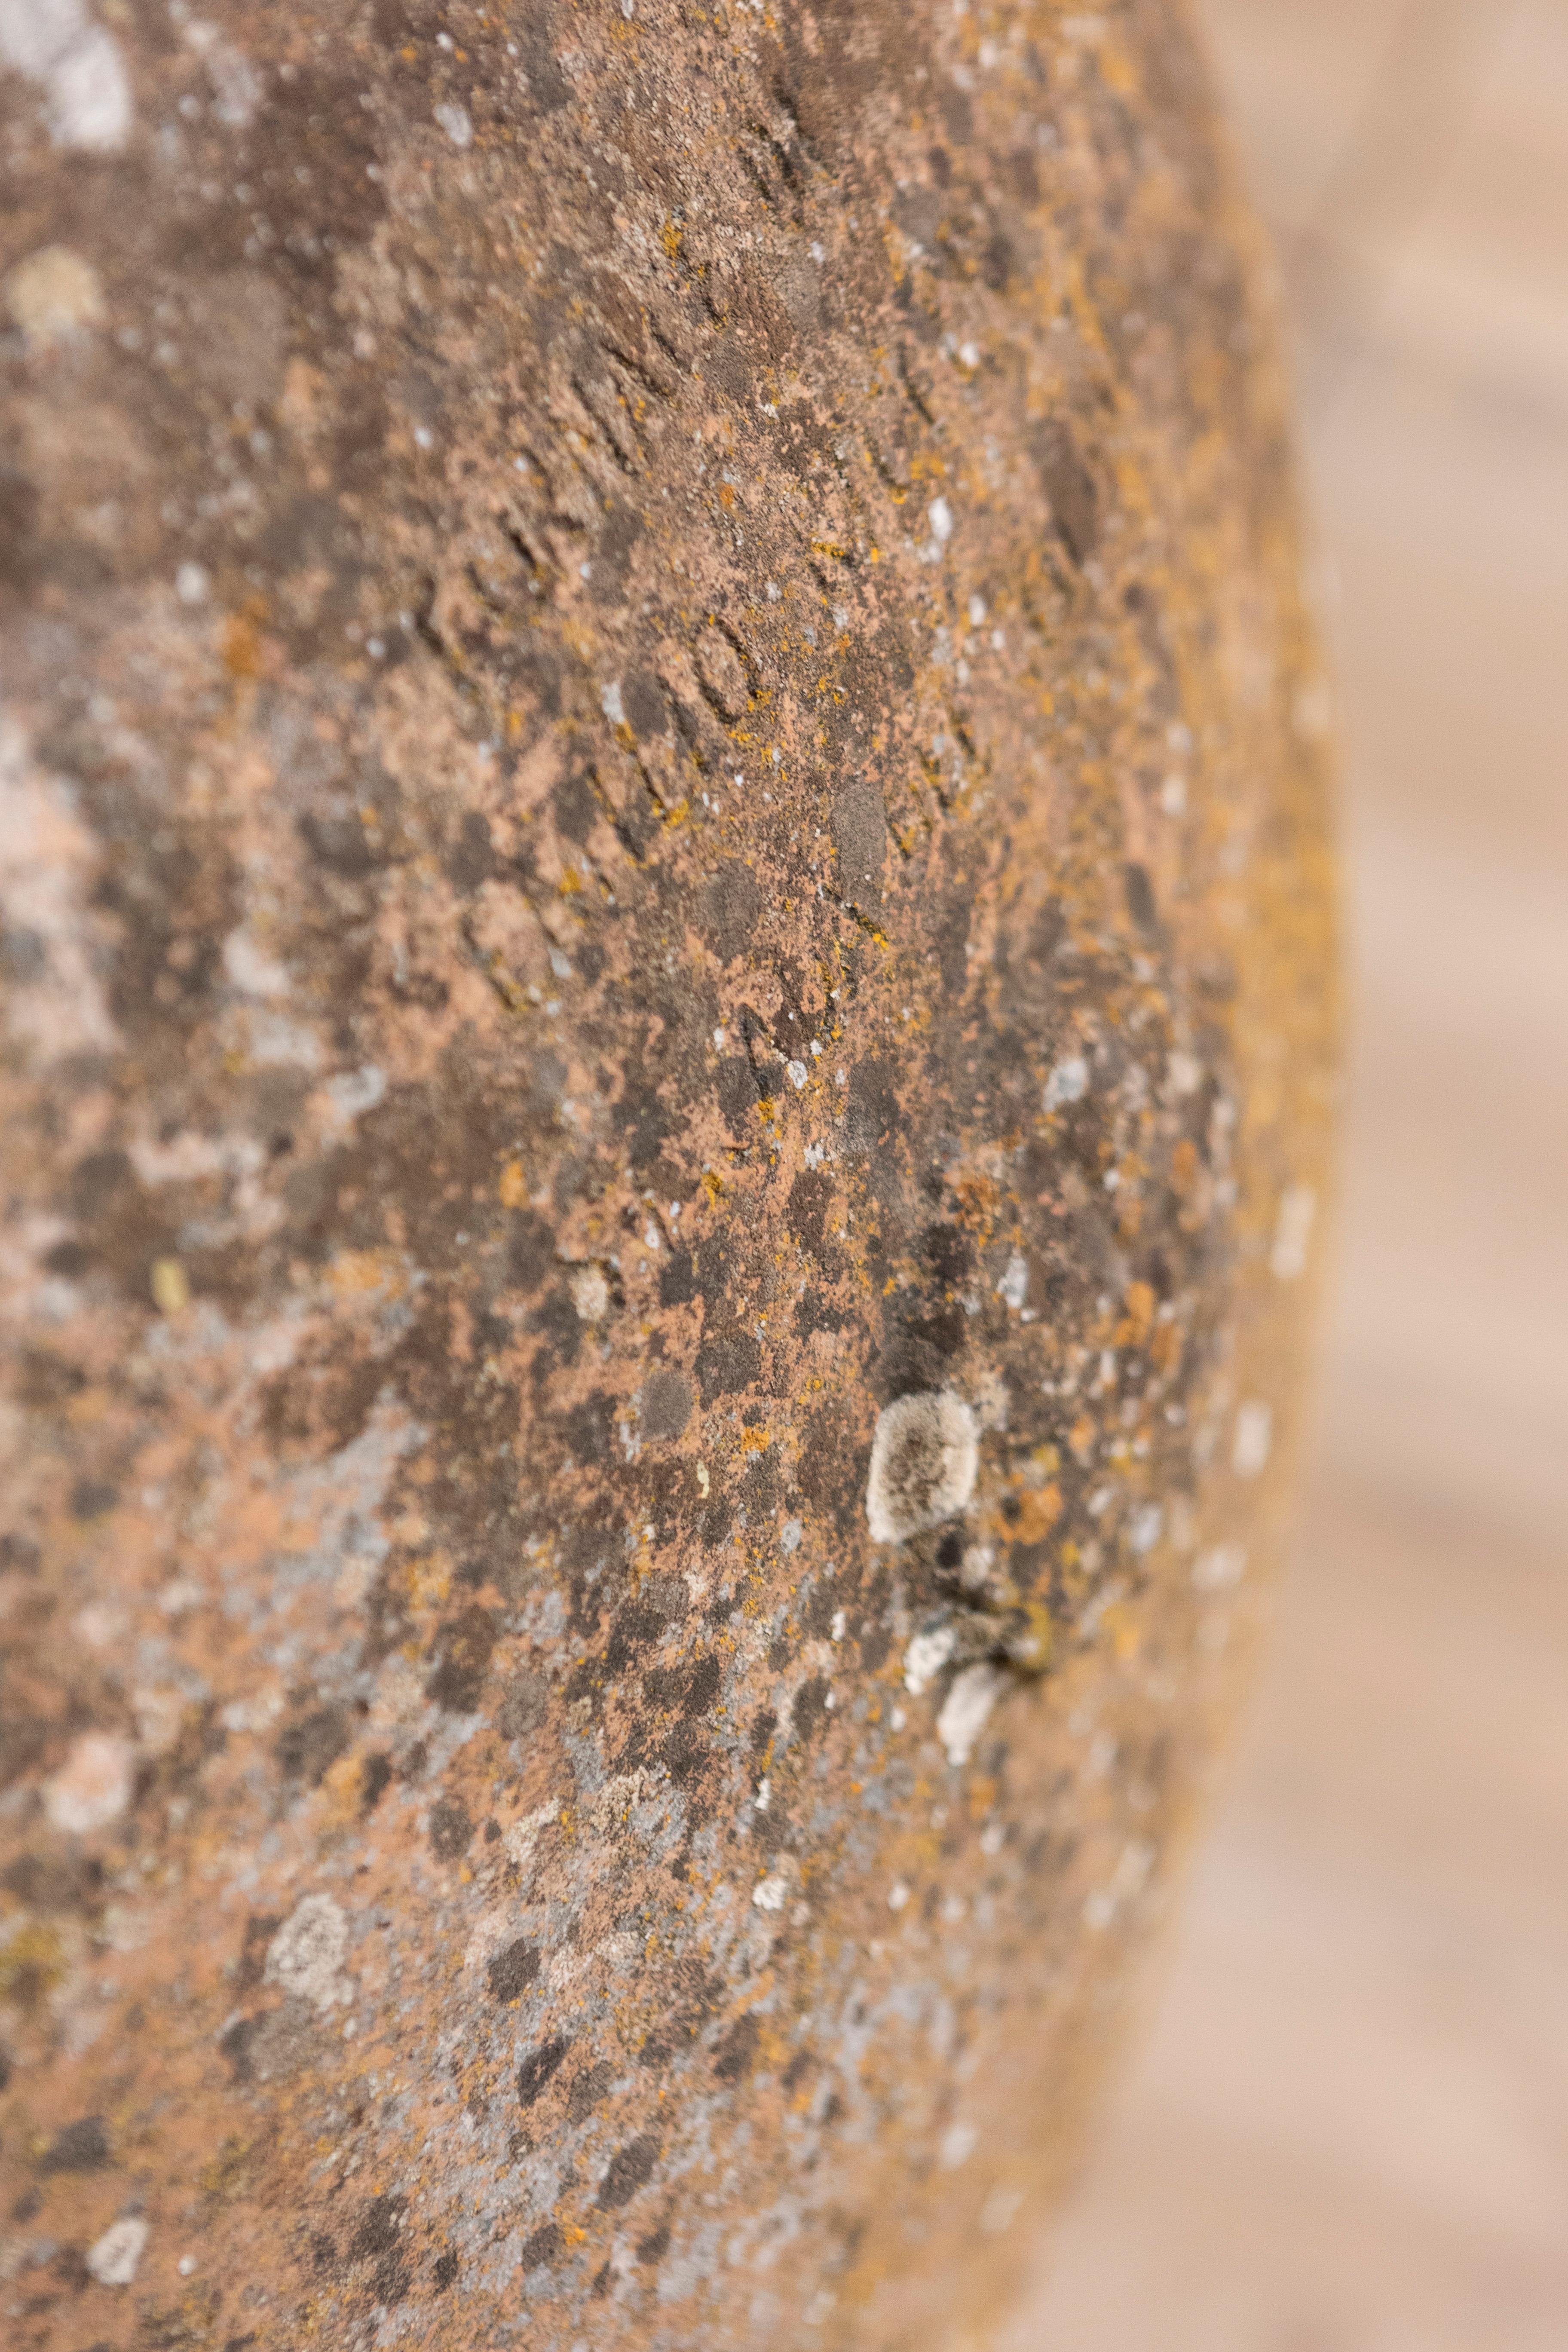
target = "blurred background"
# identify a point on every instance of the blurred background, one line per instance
(1345, 2126)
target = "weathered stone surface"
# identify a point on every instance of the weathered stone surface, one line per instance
(659, 790)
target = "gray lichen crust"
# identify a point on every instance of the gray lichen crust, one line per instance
(663, 934)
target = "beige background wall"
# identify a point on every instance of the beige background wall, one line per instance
(1345, 2129)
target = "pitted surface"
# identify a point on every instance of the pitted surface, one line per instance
(660, 790)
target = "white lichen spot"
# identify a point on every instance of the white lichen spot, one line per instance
(456, 121)
(1099, 1909)
(956, 2146)
(939, 514)
(1127, 1881)
(250, 969)
(615, 710)
(192, 583)
(93, 1787)
(55, 296)
(521, 1840)
(113, 2258)
(78, 65)
(925, 1457)
(237, 86)
(591, 1293)
(925, 1658)
(1183, 1074)
(770, 1894)
(841, 1620)
(1068, 1083)
(354, 1091)
(1000, 2211)
(968, 1704)
(1013, 1286)
(1292, 1233)
(1146, 1526)
(306, 1953)
(791, 1535)
(1220, 1570)
(48, 864)
(897, 1895)
(1254, 1439)
(798, 1073)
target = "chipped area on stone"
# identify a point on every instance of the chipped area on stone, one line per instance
(664, 1009)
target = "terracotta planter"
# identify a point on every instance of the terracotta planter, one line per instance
(668, 1012)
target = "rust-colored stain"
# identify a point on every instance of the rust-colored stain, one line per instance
(661, 785)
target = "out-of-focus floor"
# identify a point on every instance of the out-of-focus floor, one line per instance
(1346, 2127)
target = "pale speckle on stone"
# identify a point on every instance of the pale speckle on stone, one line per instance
(306, 1954)
(1068, 1083)
(55, 296)
(1254, 1440)
(456, 121)
(57, 44)
(924, 1659)
(974, 1569)
(355, 1091)
(590, 1294)
(1219, 1570)
(956, 2146)
(968, 1704)
(48, 864)
(114, 2258)
(236, 84)
(250, 969)
(191, 583)
(1000, 2211)
(939, 514)
(1013, 1286)
(770, 1894)
(925, 1458)
(93, 1787)
(1146, 1526)
(1293, 1232)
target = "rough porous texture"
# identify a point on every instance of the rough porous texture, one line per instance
(659, 790)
